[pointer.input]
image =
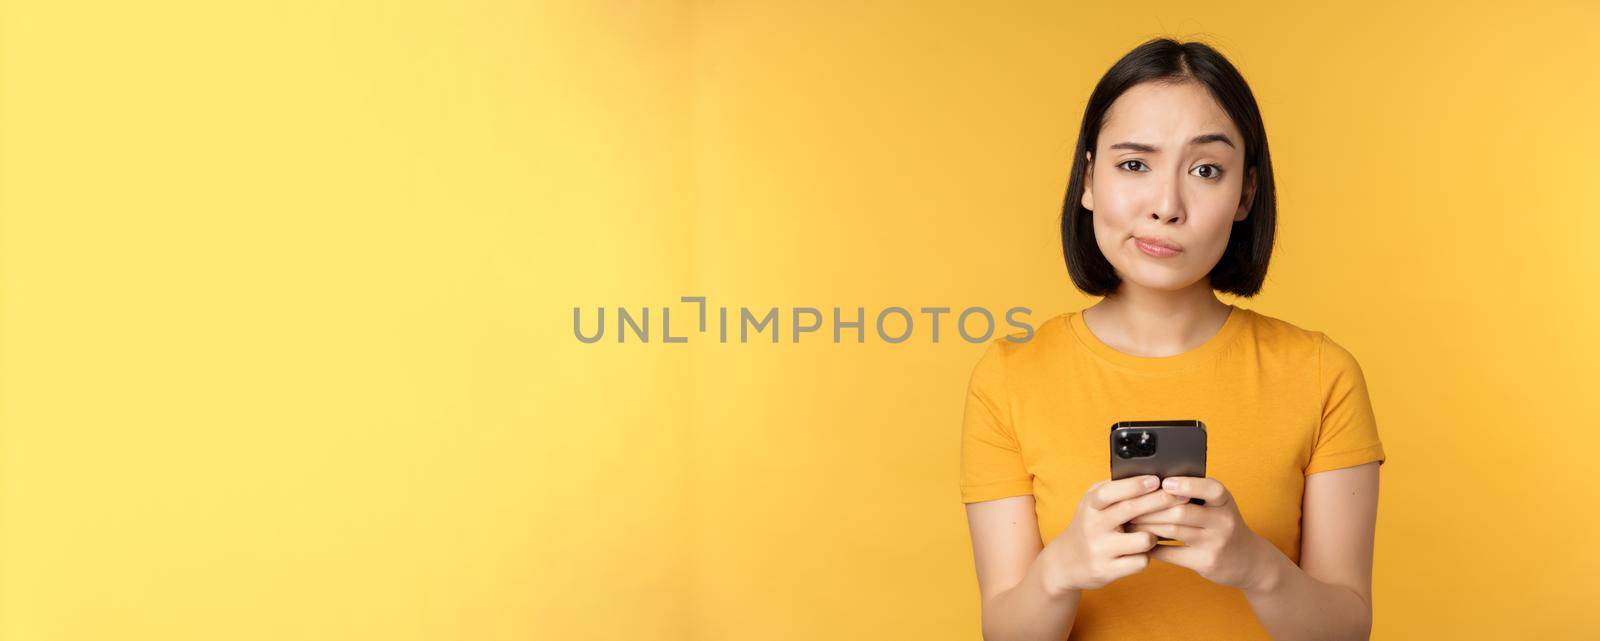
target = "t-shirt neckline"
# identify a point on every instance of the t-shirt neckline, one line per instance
(1203, 353)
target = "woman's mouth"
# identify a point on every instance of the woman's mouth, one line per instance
(1157, 247)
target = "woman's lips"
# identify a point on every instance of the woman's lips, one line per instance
(1157, 247)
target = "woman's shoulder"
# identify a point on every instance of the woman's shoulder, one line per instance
(1028, 346)
(1033, 341)
(1277, 330)
(1293, 341)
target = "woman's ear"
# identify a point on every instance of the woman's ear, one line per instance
(1248, 198)
(1088, 182)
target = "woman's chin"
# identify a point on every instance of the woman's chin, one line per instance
(1157, 279)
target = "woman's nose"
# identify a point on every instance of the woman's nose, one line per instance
(1169, 207)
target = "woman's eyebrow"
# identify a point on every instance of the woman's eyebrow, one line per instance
(1197, 140)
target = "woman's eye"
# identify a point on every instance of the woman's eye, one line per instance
(1124, 164)
(1213, 173)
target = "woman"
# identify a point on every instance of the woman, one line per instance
(1170, 200)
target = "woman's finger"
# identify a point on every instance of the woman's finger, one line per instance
(1184, 533)
(1105, 493)
(1181, 514)
(1207, 488)
(1130, 563)
(1123, 511)
(1132, 543)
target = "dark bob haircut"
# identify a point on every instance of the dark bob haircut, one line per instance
(1243, 266)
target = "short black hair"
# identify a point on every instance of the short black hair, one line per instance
(1243, 266)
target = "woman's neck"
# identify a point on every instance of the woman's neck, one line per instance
(1154, 323)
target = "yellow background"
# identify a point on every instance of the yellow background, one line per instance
(286, 294)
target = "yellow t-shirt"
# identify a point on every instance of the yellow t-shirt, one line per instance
(1278, 402)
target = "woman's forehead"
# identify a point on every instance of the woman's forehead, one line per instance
(1159, 113)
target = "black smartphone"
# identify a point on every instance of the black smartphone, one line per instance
(1162, 448)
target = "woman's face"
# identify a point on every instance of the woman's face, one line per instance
(1159, 173)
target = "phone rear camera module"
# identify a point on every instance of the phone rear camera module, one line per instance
(1136, 443)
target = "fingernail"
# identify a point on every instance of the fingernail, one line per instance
(1150, 483)
(1170, 484)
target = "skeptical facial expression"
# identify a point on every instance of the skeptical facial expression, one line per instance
(1166, 181)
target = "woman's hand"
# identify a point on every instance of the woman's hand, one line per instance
(1093, 550)
(1217, 543)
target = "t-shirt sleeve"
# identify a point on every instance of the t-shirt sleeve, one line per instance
(991, 457)
(1348, 433)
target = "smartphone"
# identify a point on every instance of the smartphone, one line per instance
(1162, 448)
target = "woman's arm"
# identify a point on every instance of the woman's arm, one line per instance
(1329, 595)
(1019, 602)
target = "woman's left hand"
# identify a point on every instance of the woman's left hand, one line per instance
(1217, 543)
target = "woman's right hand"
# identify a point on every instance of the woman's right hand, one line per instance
(1093, 550)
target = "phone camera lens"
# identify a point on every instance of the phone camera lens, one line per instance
(1147, 444)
